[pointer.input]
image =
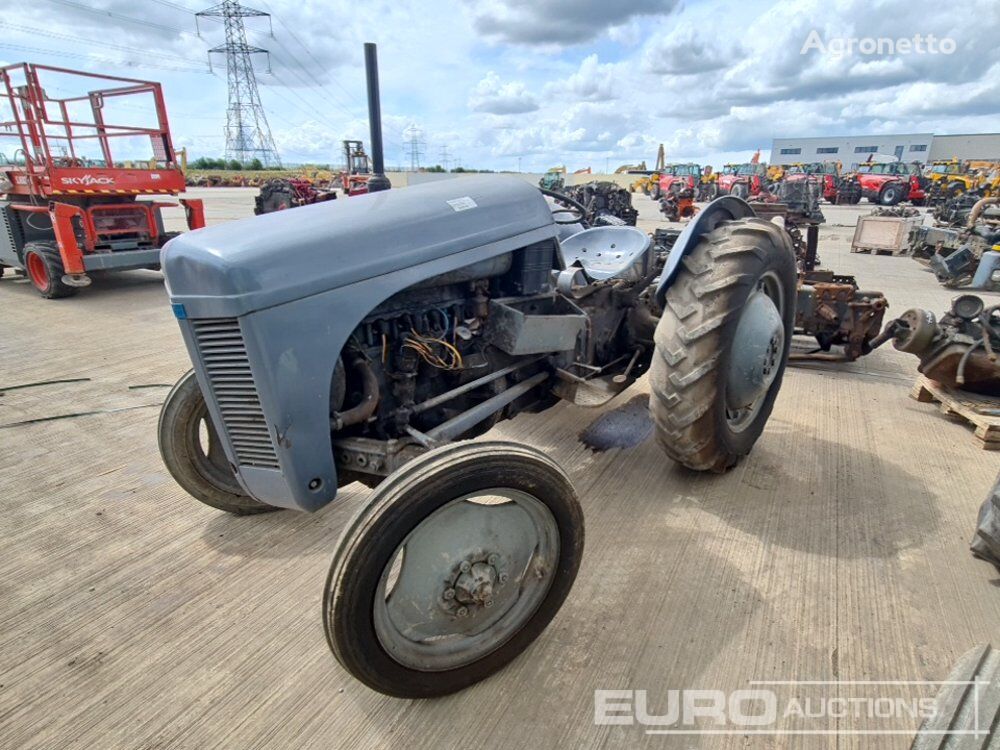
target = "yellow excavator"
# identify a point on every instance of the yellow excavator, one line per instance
(646, 183)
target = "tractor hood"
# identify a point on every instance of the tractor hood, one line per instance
(242, 266)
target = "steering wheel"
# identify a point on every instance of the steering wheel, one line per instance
(577, 211)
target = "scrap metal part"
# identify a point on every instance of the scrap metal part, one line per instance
(829, 307)
(959, 351)
(966, 710)
(955, 249)
(986, 542)
(606, 203)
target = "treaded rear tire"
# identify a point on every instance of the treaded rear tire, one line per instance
(694, 338)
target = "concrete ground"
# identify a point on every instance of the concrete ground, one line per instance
(131, 616)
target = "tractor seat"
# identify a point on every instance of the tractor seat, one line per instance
(605, 252)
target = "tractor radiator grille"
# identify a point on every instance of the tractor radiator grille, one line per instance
(224, 356)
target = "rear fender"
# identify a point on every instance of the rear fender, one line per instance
(726, 208)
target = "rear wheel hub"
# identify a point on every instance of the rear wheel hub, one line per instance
(755, 358)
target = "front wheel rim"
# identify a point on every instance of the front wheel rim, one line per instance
(466, 579)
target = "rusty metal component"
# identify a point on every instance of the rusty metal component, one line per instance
(960, 350)
(829, 307)
(833, 310)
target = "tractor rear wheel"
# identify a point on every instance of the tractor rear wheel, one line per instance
(722, 344)
(44, 267)
(739, 190)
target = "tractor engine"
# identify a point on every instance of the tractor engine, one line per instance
(435, 352)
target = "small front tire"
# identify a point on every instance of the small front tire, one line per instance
(202, 470)
(458, 562)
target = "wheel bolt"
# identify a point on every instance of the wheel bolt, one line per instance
(488, 602)
(502, 578)
(465, 567)
(449, 594)
(462, 612)
(492, 560)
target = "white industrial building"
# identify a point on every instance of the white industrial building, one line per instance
(854, 149)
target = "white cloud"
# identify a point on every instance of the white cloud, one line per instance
(549, 81)
(493, 96)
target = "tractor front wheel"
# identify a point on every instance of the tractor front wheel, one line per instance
(44, 267)
(193, 453)
(458, 561)
(722, 344)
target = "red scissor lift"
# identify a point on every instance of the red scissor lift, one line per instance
(71, 178)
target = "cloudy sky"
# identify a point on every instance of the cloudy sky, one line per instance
(533, 83)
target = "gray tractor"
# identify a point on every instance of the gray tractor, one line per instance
(370, 340)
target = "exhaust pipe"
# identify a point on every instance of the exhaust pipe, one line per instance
(378, 179)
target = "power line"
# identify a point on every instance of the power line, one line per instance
(110, 61)
(353, 97)
(67, 37)
(111, 14)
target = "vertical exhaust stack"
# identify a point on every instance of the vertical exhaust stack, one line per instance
(378, 179)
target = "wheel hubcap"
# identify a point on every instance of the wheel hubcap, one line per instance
(37, 271)
(755, 358)
(466, 579)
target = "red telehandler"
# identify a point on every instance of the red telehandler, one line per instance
(77, 150)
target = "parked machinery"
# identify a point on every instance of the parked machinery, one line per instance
(950, 178)
(676, 177)
(605, 203)
(282, 193)
(384, 329)
(553, 179)
(960, 350)
(67, 207)
(830, 307)
(743, 180)
(358, 172)
(962, 255)
(708, 185)
(888, 183)
(835, 187)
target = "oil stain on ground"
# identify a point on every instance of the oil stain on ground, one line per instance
(624, 427)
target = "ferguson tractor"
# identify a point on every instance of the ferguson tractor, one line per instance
(67, 205)
(370, 340)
